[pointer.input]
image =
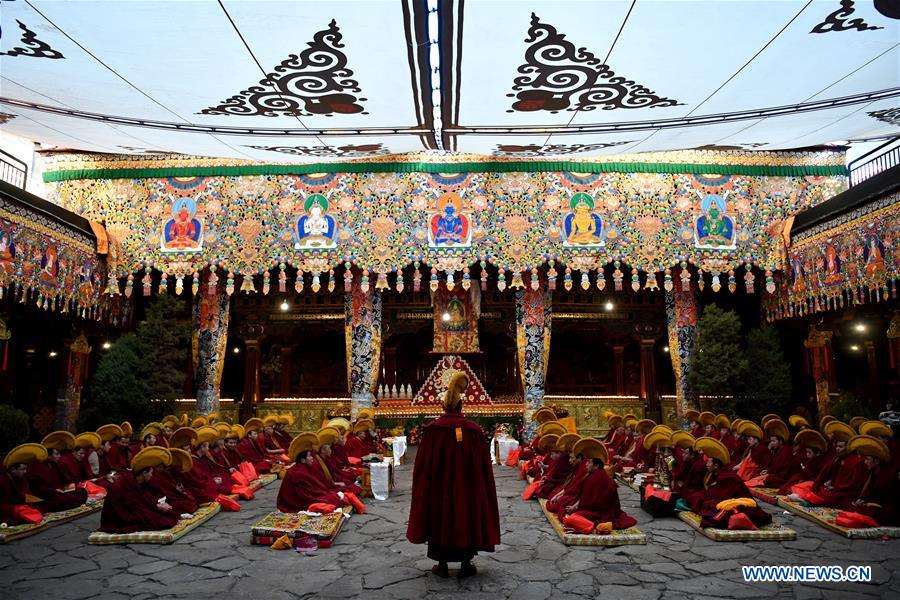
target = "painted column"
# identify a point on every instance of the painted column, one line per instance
(533, 316)
(76, 375)
(820, 364)
(893, 335)
(286, 360)
(681, 318)
(619, 362)
(362, 329)
(874, 382)
(252, 368)
(648, 379)
(209, 341)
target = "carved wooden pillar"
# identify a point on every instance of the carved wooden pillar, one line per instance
(210, 317)
(619, 357)
(893, 335)
(77, 354)
(252, 368)
(874, 382)
(820, 363)
(648, 378)
(286, 358)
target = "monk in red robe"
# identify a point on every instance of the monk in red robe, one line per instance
(131, 505)
(559, 469)
(204, 461)
(17, 496)
(343, 478)
(303, 485)
(270, 441)
(166, 482)
(280, 431)
(252, 447)
(361, 444)
(811, 449)
(784, 463)
(720, 484)
(568, 493)
(690, 467)
(48, 478)
(841, 479)
(454, 500)
(108, 453)
(598, 499)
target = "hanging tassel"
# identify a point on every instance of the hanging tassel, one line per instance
(732, 284)
(266, 284)
(298, 282)
(484, 275)
(601, 279)
(179, 284)
(364, 282)
(667, 281)
(467, 280)
(567, 280)
(450, 282)
(585, 280)
(163, 283)
(316, 284)
(229, 284)
(213, 281)
(331, 280)
(617, 277)
(434, 282)
(399, 284)
(282, 279)
(348, 277)
(417, 278)
(551, 276)
(6, 354)
(501, 280)
(195, 284)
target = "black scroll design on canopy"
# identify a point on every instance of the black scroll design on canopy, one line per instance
(556, 76)
(317, 82)
(348, 151)
(839, 20)
(888, 115)
(6, 118)
(33, 46)
(552, 149)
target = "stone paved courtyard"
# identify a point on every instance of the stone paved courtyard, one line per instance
(372, 559)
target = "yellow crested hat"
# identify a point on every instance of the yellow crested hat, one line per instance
(810, 438)
(866, 445)
(88, 439)
(876, 429)
(567, 441)
(458, 385)
(327, 435)
(363, 425)
(109, 432)
(548, 441)
(199, 421)
(152, 456)
(713, 448)
(270, 420)
(254, 424)
(658, 439)
(154, 428)
(341, 424)
(839, 430)
(181, 459)
(591, 448)
(58, 440)
(206, 434)
(25, 454)
(683, 439)
(183, 436)
(304, 441)
(544, 414)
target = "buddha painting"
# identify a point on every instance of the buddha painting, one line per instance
(714, 228)
(50, 266)
(456, 309)
(582, 226)
(7, 252)
(798, 276)
(449, 227)
(832, 265)
(184, 231)
(873, 254)
(316, 228)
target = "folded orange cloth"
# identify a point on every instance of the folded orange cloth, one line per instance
(282, 543)
(228, 504)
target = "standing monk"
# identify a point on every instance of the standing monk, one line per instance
(454, 501)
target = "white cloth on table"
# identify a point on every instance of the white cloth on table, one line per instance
(380, 478)
(505, 445)
(399, 448)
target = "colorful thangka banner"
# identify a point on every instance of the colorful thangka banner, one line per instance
(456, 315)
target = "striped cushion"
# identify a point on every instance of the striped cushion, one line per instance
(768, 533)
(618, 537)
(765, 494)
(164, 536)
(825, 516)
(8, 534)
(276, 524)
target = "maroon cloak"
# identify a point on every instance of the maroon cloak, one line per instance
(783, 466)
(454, 500)
(559, 470)
(359, 448)
(599, 501)
(161, 484)
(571, 490)
(303, 486)
(252, 452)
(130, 506)
(724, 484)
(46, 480)
(688, 474)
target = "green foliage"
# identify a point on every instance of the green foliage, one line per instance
(13, 427)
(138, 379)
(767, 384)
(718, 366)
(848, 406)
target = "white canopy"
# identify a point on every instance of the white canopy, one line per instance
(331, 80)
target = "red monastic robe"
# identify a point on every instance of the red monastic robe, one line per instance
(454, 500)
(130, 506)
(724, 484)
(359, 448)
(783, 466)
(252, 451)
(162, 484)
(688, 473)
(559, 470)
(303, 486)
(47, 479)
(74, 469)
(571, 490)
(599, 501)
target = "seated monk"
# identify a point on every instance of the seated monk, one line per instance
(361, 444)
(269, 442)
(540, 463)
(166, 482)
(784, 464)
(690, 466)
(877, 497)
(566, 494)
(610, 431)
(637, 456)
(72, 462)
(280, 432)
(841, 480)
(708, 421)
(302, 485)
(339, 448)
(48, 479)
(757, 455)
(721, 484)
(197, 480)
(621, 439)
(811, 448)
(110, 460)
(131, 505)
(598, 500)
(723, 432)
(120, 453)
(738, 443)
(332, 469)
(881, 431)
(693, 419)
(150, 437)
(18, 505)
(203, 461)
(240, 470)
(252, 449)
(558, 466)
(169, 424)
